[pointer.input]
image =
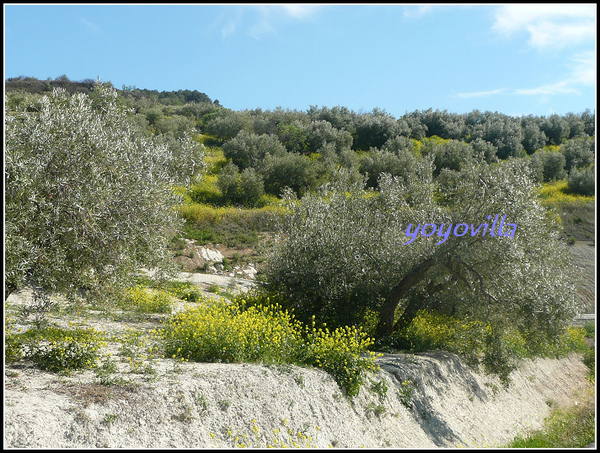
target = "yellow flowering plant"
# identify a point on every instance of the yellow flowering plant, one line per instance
(145, 300)
(339, 353)
(221, 332)
(260, 331)
(56, 349)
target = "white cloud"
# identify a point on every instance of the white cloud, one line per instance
(228, 29)
(479, 94)
(584, 68)
(583, 73)
(263, 20)
(552, 27)
(298, 11)
(90, 26)
(413, 11)
(548, 26)
(562, 87)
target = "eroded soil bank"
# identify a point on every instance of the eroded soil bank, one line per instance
(432, 400)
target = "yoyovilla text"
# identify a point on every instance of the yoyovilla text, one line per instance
(461, 229)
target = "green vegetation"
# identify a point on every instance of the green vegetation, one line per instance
(88, 198)
(147, 301)
(574, 427)
(346, 257)
(478, 343)
(557, 193)
(577, 212)
(235, 227)
(56, 349)
(232, 333)
(102, 182)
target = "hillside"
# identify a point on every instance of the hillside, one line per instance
(584, 255)
(138, 389)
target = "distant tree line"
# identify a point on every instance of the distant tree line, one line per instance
(34, 85)
(303, 150)
(269, 150)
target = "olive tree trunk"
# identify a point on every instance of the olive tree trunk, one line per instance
(400, 291)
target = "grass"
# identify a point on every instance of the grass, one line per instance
(234, 227)
(576, 212)
(470, 340)
(144, 300)
(56, 349)
(210, 220)
(573, 427)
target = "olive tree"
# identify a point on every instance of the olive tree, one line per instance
(348, 253)
(579, 152)
(548, 165)
(88, 199)
(376, 162)
(243, 188)
(503, 131)
(322, 132)
(582, 181)
(372, 130)
(248, 149)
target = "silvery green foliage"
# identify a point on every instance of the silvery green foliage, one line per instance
(376, 162)
(88, 199)
(322, 132)
(579, 152)
(248, 149)
(583, 181)
(345, 252)
(341, 250)
(548, 165)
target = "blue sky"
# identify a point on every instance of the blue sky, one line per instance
(516, 59)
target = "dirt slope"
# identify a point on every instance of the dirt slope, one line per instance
(193, 405)
(584, 257)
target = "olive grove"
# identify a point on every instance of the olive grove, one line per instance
(88, 198)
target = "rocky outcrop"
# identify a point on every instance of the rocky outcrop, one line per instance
(195, 258)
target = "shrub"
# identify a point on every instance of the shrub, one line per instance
(88, 197)
(589, 360)
(322, 132)
(339, 353)
(548, 165)
(56, 349)
(185, 291)
(220, 332)
(206, 191)
(245, 188)
(260, 331)
(375, 162)
(143, 300)
(249, 149)
(229, 225)
(572, 427)
(12, 341)
(557, 193)
(578, 152)
(296, 171)
(431, 330)
(345, 252)
(480, 343)
(582, 181)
